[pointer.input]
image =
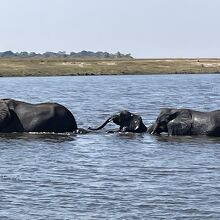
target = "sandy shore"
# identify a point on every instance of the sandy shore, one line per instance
(67, 67)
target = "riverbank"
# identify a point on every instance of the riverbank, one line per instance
(70, 67)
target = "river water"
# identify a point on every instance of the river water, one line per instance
(111, 176)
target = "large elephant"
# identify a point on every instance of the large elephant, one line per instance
(186, 122)
(18, 116)
(127, 121)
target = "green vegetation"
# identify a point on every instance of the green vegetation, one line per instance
(67, 66)
(62, 54)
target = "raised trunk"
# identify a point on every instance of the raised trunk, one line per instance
(102, 126)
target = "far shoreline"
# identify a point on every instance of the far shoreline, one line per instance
(21, 67)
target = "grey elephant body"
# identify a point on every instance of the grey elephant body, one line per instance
(187, 122)
(18, 116)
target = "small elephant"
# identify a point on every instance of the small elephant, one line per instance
(186, 122)
(18, 116)
(127, 121)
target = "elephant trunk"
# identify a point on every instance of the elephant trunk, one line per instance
(154, 128)
(102, 126)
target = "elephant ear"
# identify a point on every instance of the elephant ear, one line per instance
(4, 115)
(167, 114)
(174, 113)
(135, 123)
(182, 124)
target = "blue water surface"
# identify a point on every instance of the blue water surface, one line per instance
(111, 176)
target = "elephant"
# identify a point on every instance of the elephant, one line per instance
(127, 121)
(186, 122)
(19, 116)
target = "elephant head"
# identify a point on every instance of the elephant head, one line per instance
(127, 121)
(5, 114)
(173, 122)
(161, 124)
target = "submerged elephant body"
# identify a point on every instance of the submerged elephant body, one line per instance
(17, 116)
(128, 122)
(187, 122)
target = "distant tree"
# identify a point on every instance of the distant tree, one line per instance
(128, 55)
(22, 54)
(49, 54)
(118, 55)
(32, 54)
(63, 54)
(106, 55)
(8, 53)
(73, 54)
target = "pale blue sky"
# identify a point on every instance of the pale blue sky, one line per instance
(144, 28)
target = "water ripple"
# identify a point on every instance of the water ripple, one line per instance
(111, 176)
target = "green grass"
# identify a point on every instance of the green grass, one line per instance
(62, 67)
